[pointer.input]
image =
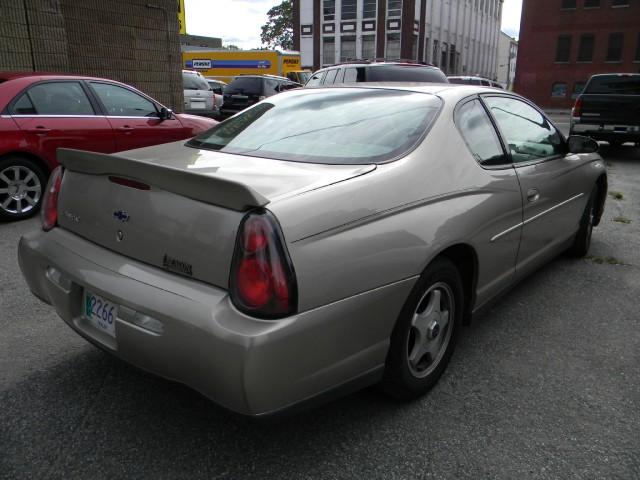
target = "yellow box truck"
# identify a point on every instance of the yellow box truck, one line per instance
(226, 64)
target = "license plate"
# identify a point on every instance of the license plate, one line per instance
(100, 312)
(198, 105)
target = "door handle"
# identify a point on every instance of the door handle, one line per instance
(533, 195)
(39, 130)
(125, 128)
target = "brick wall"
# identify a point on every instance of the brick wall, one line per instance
(124, 40)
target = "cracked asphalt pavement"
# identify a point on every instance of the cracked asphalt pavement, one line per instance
(544, 385)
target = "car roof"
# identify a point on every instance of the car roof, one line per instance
(276, 77)
(48, 75)
(450, 90)
(378, 64)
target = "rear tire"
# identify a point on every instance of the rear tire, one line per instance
(425, 334)
(22, 185)
(582, 241)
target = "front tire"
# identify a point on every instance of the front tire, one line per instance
(582, 241)
(425, 334)
(22, 184)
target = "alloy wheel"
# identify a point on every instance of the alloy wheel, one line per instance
(430, 331)
(20, 190)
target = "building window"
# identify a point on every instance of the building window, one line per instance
(614, 51)
(443, 57)
(369, 47)
(563, 50)
(414, 47)
(393, 46)
(436, 51)
(329, 10)
(591, 3)
(394, 8)
(567, 4)
(369, 9)
(559, 89)
(453, 67)
(347, 48)
(638, 49)
(577, 89)
(619, 3)
(585, 52)
(348, 10)
(426, 50)
(328, 50)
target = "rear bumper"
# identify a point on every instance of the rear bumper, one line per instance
(622, 132)
(251, 366)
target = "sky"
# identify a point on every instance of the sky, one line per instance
(238, 22)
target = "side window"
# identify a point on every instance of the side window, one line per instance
(331, 76)
(54, 98)
(350, 75)
(24, 106)
(315, 80)
(120, 101)
(529, 134)
(479, 134)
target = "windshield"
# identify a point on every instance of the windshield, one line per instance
(614, 84)
(192, 81)
(334, 126)
(404, 73)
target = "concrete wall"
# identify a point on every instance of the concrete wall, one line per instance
(124, 40)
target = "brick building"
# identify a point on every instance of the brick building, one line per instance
(563, 42)
(459, 36)
(133, 41)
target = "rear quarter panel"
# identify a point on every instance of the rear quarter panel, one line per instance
(387, 226)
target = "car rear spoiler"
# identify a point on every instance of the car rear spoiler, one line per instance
(197, 186)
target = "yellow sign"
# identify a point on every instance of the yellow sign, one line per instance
(182, 24)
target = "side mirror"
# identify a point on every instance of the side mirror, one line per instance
(165, 113)
(580, 144)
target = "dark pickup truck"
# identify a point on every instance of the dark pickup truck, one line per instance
(609, 109)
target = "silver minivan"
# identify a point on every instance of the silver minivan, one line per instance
(198, 95)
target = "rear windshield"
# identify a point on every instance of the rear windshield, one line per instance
(614, 84)
(333, 126)
(245, 85)
(194, 82)
(398, 73)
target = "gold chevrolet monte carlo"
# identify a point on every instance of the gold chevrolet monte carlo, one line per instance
(323, 240)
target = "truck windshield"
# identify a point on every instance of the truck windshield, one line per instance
(614, 84)
(333, 126)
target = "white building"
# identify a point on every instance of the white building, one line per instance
(459, 36)
(506, 61)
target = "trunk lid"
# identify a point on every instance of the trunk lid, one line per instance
(187, 219)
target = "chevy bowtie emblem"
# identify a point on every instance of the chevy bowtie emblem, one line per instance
(121, 215)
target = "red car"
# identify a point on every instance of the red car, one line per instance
(40, 113)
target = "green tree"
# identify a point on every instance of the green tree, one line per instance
(278, 31)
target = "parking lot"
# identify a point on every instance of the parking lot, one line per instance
(546, 384)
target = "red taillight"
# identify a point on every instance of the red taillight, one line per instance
(577, 108)
(262, 281)
(50, 201)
